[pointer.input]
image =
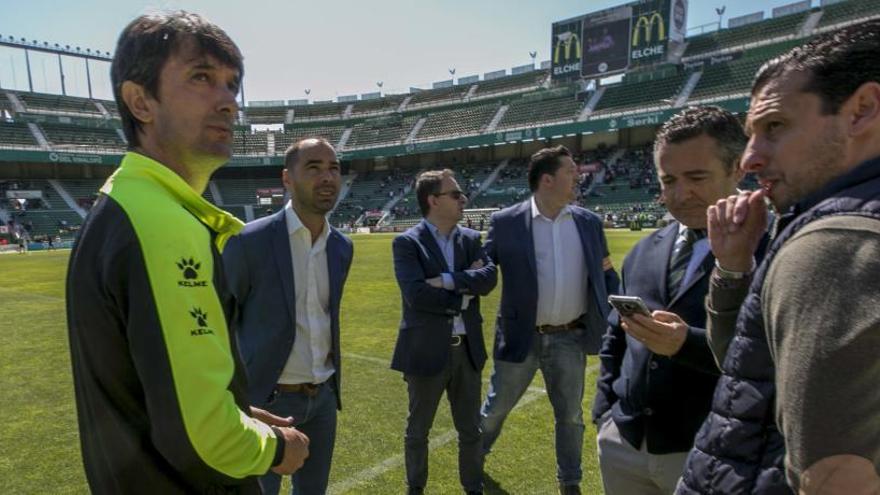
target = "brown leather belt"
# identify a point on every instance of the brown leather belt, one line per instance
(310, 389)
(566, 327)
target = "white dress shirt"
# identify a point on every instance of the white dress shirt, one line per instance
(310, 361)
(562, 273)
(447, 247)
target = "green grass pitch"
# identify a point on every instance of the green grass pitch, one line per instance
(40, 446)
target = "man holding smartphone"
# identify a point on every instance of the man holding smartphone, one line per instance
(657, 371)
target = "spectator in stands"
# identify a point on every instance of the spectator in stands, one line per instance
(658, 373)
(159, 392)
(442, 271)
(805, 321)
(287, 272)
(553, 305)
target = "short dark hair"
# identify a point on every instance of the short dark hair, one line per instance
(291, 155)
(545, 161)
(146, 44)
(715, 122)
(837, 64)
(428, 183)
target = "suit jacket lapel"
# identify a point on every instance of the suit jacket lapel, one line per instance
(526, 235)
(426, 237)
(281, 251)
(665, 243)
(701, 271)
(334, 272)
(581, 224)
(460, 257)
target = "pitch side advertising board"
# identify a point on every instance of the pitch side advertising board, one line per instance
(610, 41)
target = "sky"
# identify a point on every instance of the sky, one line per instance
(330, 47)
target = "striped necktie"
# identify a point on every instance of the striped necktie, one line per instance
(680, 259)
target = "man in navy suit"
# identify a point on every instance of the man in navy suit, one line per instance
(557, 276)
(658, 373)
(287, 271)
(442, 271)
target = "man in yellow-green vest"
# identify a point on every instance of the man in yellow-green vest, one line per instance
(160, 392)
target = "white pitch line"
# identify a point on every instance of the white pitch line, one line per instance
(42, 297)
(533, 393)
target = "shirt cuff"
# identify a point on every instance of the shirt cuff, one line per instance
(448, 283)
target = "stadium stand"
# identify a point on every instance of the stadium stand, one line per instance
(243, 191)
(249, 143)
(734, 37)
(433, 96)
(322, 111)
(265, 115)
(525, 112)
(620, 188)
(111, 107)
(73, 137)
(510, 186)
(469, 119)
(82, 191)
(46, 103)
(736, 76)
(386, 104)
(16, 135)
(848, 11)
(512, 84)
(292, 134)
(629, 96)
(389, 130)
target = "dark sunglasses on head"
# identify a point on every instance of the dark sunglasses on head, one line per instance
(452, 194)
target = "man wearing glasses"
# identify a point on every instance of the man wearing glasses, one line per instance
(557, 277)
(442, 271)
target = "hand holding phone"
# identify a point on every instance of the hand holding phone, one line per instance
(629, 305)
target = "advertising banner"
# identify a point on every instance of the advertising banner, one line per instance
(566, 49)
(650, 32)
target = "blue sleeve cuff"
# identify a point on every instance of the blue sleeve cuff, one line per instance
(448, 283)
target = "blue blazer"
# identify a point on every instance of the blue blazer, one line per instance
(427, 312)
(663, 398)
(511, 246)
(260, 275)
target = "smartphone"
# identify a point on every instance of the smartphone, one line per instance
(629, 305)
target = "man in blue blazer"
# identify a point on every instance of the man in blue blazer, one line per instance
(557, 276)
(287, 272)
(442, 271)
(658, 373)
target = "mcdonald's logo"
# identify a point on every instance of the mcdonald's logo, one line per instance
(568, 43)
(646, 24)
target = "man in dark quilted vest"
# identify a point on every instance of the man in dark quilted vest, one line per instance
(798, 407)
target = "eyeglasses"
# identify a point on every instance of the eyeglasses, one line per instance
(456, 194)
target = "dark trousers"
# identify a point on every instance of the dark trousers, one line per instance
(462, 385)
(316, 417)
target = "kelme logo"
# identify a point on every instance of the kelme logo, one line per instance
(189, 269)
(202, 321)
